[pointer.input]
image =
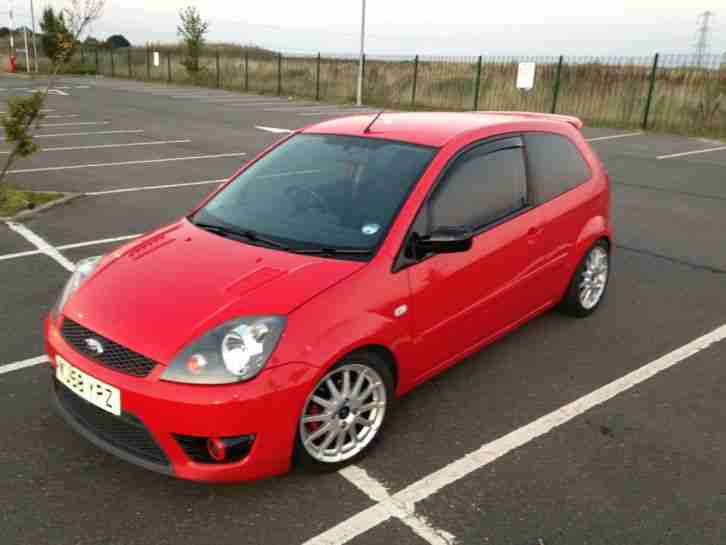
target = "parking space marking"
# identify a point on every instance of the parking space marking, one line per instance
(340, 112)
(273, 129)
(75, 124)
(614, 136)
(237, 102)
(61, 116)
(126, 163)
(360, 478)
(150, 187)
(97, 242)
(42, 246)
(105, 146)
(490, 452)
(22, 364)
(293, 108)
(60, 135)
(73, 245)
(686, 153)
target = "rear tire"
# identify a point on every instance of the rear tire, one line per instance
(589, 283)
(344, 414)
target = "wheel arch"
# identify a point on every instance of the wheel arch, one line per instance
(382, 352)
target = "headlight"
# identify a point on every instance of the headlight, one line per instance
(84, 269)
(233, 352)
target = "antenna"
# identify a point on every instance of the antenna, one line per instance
(704, 35)
(368, 128)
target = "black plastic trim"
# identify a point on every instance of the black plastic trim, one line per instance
(103, 445)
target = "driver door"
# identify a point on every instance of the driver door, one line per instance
(459, 300)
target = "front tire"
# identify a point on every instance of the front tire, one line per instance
(344, 414)
(588, 284)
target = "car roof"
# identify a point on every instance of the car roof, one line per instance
(433, 128)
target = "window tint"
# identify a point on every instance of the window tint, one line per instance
(556, 165)
(321, 191)
(480, 188)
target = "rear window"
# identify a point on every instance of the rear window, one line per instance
(555, 165)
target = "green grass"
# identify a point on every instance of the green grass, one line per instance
(16, 200)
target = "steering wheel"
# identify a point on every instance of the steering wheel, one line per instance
(315, 197)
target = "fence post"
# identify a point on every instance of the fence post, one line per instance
(148, 62)
(131, 70)
(556, 89)
(651, 89)
(113, 66)
(97, 63)
(477, 84)
(83, 55)
(247, 69)
(317, 80)
(415, 81)
(279, 74)
(168, 67)
(219, 73)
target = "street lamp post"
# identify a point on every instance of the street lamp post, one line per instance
(32, 25)
(359, 100)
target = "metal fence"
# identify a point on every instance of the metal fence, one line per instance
(673, 93)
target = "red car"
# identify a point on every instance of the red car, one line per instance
(353, 260)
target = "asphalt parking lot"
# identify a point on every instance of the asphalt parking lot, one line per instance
(605, 430)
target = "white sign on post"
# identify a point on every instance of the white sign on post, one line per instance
(525, 75)
(156, 58)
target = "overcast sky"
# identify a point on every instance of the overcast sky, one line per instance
(450, 27)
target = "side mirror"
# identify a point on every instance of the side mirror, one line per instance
(445, 240)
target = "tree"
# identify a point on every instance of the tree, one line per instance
(63, 30)
(4, 32)
(57, 42)
(117, 40)
(91, 42)
(192, 30)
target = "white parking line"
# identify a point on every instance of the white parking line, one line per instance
(60, 135)
(273, 129)
(105, 146)
(150, 187)
(41, 244)
(686, 153)
(360, 478)
(61, 116)
(614, 136)
(18, 255)
(125, 163)
(340, 112)
(293, 108)
(198, 95)
(75, 124)
(28, 253)
(490, 452)
(236, 102)
(22, 364)
(96, 242)
(45, 110)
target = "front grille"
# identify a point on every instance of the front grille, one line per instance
(114, 355)
(126, 432)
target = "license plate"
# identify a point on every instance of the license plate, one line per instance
(102, 395)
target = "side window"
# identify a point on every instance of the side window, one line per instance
(480, 188)
(555, 165)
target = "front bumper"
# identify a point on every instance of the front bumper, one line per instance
(155, 411)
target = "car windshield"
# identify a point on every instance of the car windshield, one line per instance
(319, 193)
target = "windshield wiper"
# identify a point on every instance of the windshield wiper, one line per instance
(330, 251)
(245, 234)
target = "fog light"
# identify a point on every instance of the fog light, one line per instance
(217, 449)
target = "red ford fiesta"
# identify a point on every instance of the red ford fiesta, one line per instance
(345, 265)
